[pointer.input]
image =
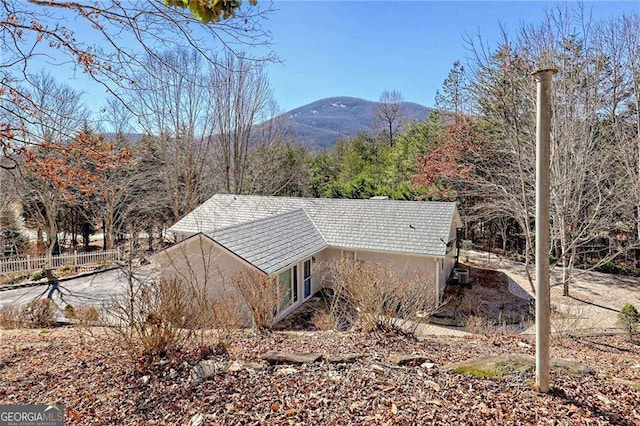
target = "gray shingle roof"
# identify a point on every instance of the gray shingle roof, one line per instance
(272, 243)
(413, 227)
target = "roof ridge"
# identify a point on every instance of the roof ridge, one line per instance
(334, 200)
(262, 219)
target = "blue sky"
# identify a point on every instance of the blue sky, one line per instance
(360, 48)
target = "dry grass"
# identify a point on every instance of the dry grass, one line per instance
(568, 321)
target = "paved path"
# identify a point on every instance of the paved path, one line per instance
(595, 298)
(89, 290)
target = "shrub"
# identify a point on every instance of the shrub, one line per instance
(9, 316)
(40, 313)
(477, 325)
(260, 293)
(612, 268)
(628, 318)
(165, 319)
(567, 321)
(382, 300)
(65, 270)
(87, 314)
(84, 314)
(37, 275)
(152, 321)
(466, 245)
(69, 312)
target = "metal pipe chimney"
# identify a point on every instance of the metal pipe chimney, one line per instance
(544, 79)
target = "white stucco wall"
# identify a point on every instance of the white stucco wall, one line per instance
(206, 266)
(406, 263)
(200, 260)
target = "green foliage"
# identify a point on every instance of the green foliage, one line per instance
(37, 275)
(209, 10)
(363, 166)
(629, 318)
(614, 268)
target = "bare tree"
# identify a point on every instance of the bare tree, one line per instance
(586, 184)
(242, 99)
(49, 29)
(60, 114)
(388, 114)
(174, 101)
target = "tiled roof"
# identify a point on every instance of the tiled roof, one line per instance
(272, 243)
(413, 227)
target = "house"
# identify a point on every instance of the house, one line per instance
(287, 237)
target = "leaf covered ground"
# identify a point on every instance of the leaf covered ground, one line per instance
(98, 384)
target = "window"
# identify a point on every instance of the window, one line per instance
(307, 278)
(284, 288)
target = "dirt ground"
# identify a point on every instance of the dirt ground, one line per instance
(594, 301)
(487, 298)
(97, 384)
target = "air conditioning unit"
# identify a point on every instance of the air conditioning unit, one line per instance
(462, 275)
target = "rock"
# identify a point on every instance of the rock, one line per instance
(207, 368)
(427, 365)
(433, 385)
(572, 367)
(342, 358)
(376, 368)
(496, 366)
(524, 345)
(334, 376)
(196, 420)
(277, 357)
(406, 359)
(145, 379)
(635, 385)
(288, 370)
(235, 366)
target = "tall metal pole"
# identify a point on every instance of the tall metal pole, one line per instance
(544, 80)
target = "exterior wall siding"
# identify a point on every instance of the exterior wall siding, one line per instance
(204, 264)
(201, 260)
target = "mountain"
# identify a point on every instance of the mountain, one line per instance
(325, 121)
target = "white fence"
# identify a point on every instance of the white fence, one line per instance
(30, 264)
